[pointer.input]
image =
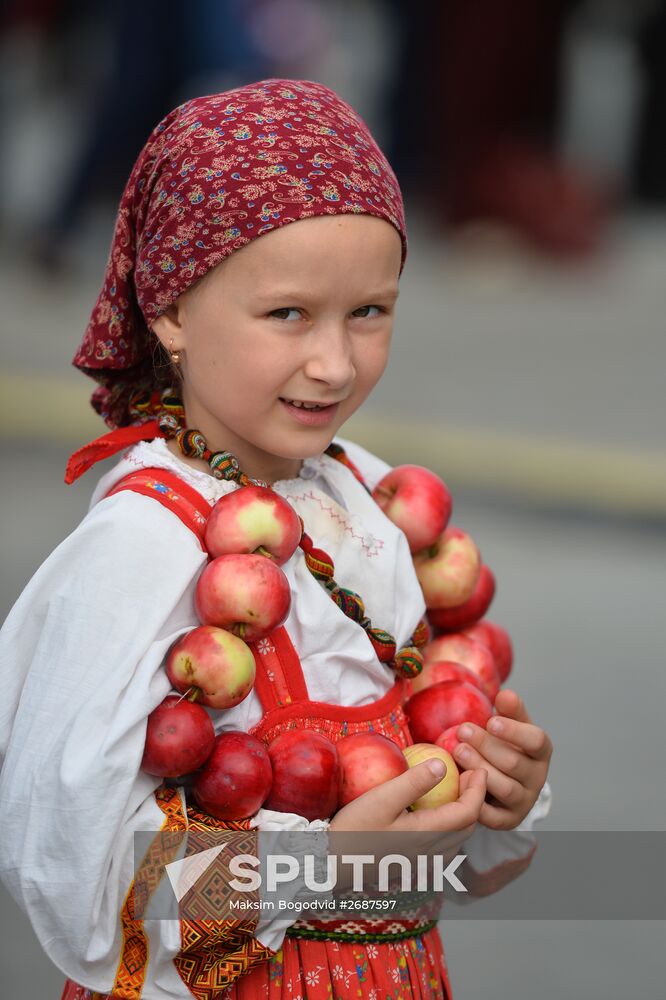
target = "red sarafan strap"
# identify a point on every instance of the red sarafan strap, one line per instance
(279, 680)
(107, 445)
(169, 490)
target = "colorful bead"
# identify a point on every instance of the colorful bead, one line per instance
(168, 424)
(421, 636)
(224, 465)
(383, 643)
(351, 603)
(306, 542)
(409, 661)
(192, 443)
(320, 564)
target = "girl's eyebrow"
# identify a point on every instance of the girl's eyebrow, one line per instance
(295, 295)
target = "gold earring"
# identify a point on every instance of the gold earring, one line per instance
(174, 355)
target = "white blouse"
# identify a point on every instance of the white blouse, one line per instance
(81, 663)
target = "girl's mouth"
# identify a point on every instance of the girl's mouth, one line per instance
(309, 414)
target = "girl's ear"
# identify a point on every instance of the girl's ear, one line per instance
(168, 328)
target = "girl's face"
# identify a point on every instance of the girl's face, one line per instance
(302, 315)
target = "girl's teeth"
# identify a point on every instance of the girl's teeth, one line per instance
(303, 405)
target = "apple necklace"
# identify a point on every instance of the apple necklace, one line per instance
(170, 413)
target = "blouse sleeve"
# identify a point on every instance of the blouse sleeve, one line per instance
(80, 658)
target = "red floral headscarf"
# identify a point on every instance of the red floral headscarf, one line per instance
(218, 172)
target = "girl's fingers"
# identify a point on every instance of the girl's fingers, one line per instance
(530, 738)
(460, 815)
(513, 723)
(507, 742)
(507, 790)
(510, 703)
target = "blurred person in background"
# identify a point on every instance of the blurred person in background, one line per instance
(149, 66)
(496, 69)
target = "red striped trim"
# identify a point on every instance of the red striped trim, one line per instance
(169, 490)
(335, 713)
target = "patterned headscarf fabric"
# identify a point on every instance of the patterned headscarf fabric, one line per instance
(216, 173)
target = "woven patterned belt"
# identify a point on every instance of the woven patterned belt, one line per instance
(359, 930)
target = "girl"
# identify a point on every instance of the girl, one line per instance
(223, 358)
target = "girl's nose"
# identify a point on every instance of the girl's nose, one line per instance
(331, 359)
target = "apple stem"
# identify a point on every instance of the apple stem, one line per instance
(261, 551)
(381, 491)
(191, 694)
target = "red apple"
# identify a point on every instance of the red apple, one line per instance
(472, 654)
(448, 703)
(448, 788)
(498, 642)
(367, 759)
(448, 740)
(245, 594)
(218, 665)
(179, 738)
(436, 671)
(448, 570)
(475, 607)
(306, 774)
(417, 501)
(236, 778)
(253, 519)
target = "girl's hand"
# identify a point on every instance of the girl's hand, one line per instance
(385, 806)
(515, 754)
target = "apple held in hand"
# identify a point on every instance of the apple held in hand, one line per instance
(436, 671)
(179, 738)
(236, 778)
(498, 642)
(367, 759)
(218, 665)
(448, 570)
(475, 607)
(472, 654)
(448, 740)
(253, 519)
(417, 501)
(306, 774)
(245, 594)
(448, 703)
(447, 790)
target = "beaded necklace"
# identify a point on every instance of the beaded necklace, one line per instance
(170, 413)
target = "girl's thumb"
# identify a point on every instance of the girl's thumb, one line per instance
(403, 791)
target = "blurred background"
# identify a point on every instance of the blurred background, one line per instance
(528, 363)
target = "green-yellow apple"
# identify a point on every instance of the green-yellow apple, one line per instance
(446, 790)
(465, 614)
(253, 519)
(214, 665)
(449, 569)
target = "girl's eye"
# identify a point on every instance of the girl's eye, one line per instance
(283, 314)
(364, 312)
